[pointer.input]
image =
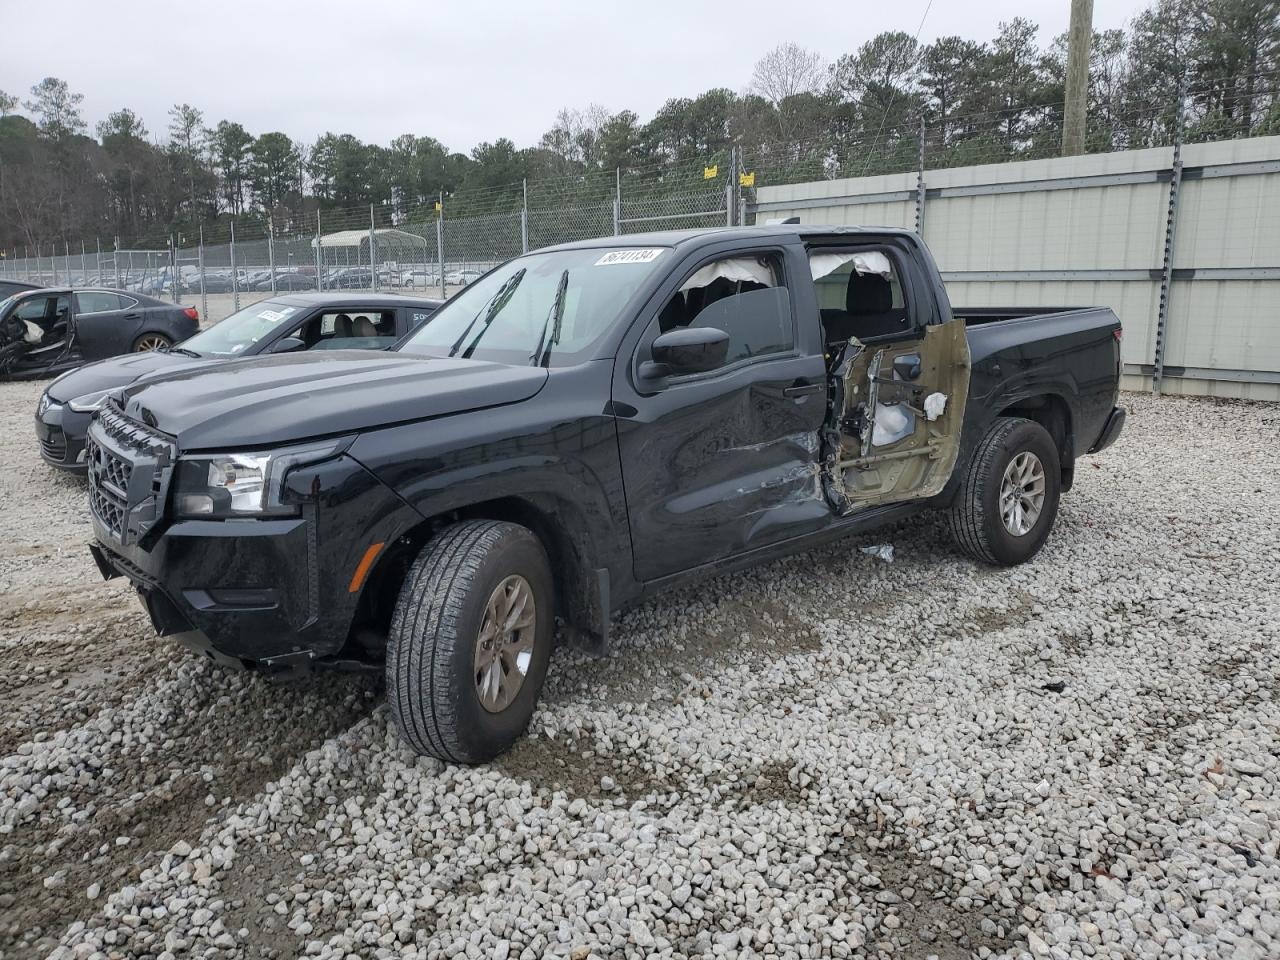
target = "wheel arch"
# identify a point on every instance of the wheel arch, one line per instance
(1052, 412)
(581, 582)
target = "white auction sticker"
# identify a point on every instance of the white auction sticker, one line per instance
(628, 256)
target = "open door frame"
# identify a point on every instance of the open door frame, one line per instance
(862, 474)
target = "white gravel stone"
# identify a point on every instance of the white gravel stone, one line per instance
(826, 756)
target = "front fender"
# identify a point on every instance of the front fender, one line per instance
(556, 452)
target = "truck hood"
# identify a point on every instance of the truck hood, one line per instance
(266, 401)
(114, 372)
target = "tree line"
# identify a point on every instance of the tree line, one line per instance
(799, 115)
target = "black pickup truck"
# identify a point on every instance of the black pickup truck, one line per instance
(580, 429)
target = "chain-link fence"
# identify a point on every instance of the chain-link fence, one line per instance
(436, 247)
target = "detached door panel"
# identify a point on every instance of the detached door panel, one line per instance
(902, 413)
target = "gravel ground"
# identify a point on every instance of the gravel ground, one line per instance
(827, 756)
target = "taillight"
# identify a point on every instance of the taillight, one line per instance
(1118, 332)
(194, 314)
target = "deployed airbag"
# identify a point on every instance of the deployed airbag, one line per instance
(868, 261)
(747, 269)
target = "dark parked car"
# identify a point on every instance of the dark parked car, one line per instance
(282, 324)
(584, 427)
(350, 278)
(288, 280)
(45, 332)
(9, 287)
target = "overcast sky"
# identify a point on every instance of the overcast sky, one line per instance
(462, 72)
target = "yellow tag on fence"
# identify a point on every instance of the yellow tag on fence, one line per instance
(747, 179)
(710, 173)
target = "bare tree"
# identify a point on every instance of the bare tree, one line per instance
(786, 71)
(8, 103)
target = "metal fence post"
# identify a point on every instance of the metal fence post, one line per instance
(920, 189)
(271, 251)
(440, 239)
(84, 273)
(115, 259)
(1170, 229)
(373, 246)
(173, 269)
(204, 296)
(235, 279)
(617, 201)
(97, 263)
(524, 219)
(728, 187)
(317, 255)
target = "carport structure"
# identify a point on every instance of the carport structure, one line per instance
(379, 249)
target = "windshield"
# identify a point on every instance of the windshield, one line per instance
(544, 308)
(238, 332)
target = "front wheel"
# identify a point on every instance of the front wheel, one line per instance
(1008, 500)
(470, 641)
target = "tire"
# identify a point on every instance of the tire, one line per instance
(151, 341)
(434, 643)
(976, 519)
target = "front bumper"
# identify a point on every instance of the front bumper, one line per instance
(61, 432)
(204, 587)
(1110, 430)
(269, 593)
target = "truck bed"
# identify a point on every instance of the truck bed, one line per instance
(1027, 353)
(973, 316)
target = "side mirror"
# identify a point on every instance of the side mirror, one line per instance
(288, 345)
(686, 350)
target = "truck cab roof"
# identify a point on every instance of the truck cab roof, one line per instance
(707, 235)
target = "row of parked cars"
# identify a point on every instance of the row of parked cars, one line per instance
(248, 280)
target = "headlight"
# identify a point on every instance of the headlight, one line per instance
(90, 402)
(44, 404)
(223, 485)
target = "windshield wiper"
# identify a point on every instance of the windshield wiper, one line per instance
(541, 355)
(184, 351)
(493, 306)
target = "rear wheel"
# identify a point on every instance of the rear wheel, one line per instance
(1008, 500)
(470, 641)
(151, 341)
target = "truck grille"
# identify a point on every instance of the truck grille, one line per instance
(109, 510)
(129, 466)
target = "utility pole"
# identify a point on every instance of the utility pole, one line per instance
(1077, 93)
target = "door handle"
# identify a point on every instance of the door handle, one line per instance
(801, 389)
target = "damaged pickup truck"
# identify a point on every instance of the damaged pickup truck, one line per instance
(580, 429)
